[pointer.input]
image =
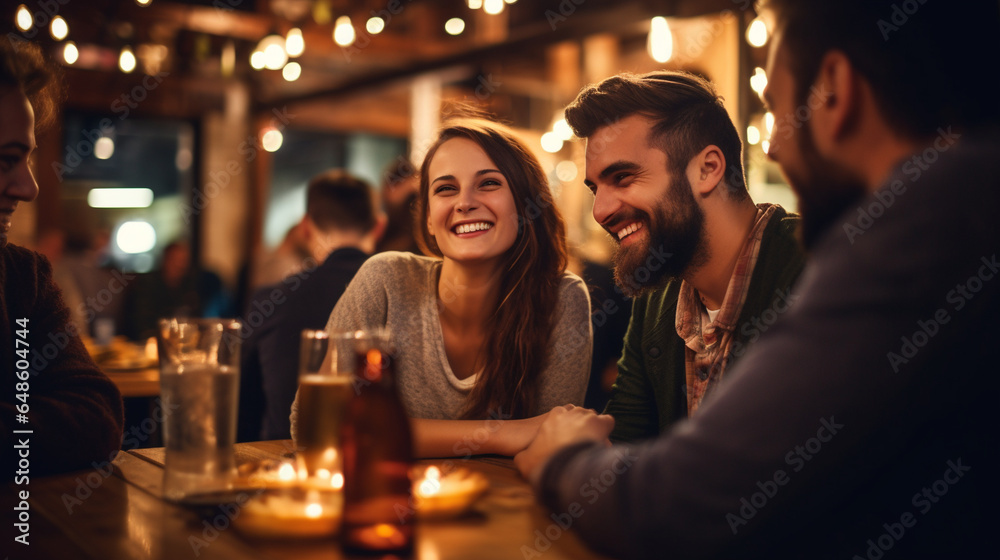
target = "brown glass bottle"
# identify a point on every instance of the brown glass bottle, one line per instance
(378, 454)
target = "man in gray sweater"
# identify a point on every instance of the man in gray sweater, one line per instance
(862, 424)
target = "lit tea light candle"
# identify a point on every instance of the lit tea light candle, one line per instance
(292, 514)
(440, 495)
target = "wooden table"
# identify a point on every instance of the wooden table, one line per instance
(119, 513)
(136, 383)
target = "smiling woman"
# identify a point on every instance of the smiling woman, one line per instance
(491, 327)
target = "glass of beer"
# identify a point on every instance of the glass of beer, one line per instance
(199, 384)
(324, 394)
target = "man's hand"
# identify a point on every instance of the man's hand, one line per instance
(562, 426)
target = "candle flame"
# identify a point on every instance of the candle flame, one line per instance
(431, 484)
(286, 472)
(314, 510)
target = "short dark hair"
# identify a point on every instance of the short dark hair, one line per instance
(687, 109)
(923, 60)
(337, 200)
(23, 67)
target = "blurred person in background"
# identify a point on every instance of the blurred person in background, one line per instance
(286, 259)
(400, 188)
(51, 386)
(176, 289)
(341, 226)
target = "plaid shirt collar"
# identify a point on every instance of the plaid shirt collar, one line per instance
(707, 341)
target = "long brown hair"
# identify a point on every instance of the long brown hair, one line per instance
(517, 346)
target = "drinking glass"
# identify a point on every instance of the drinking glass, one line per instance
(324, 394)
(199, 385)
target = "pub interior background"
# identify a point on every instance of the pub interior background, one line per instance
(201, 121)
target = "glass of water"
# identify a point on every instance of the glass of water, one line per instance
(199, 386)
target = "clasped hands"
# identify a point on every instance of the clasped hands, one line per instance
(562, 426)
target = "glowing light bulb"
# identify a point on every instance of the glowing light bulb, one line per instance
(58, 28)
(257, 60)
(295, 44)
(23, 18)
(493, 7)
(343, 32)
(759, 80)
(375, 25)
(562, 129)
(271, 140)
(291, 71)
(70, 53)
(551, 142)
(753, 135)
(661, 41)
(757, 33)
(126, 61)
(454, 26)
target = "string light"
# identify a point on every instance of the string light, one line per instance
(493, 7)
(375, 25)
(343, 32)
(454, 26)
(257, 60)
(563, 130)
(70, 53)
(273, 47)
(759, 80)
(661, 42)
(757, 33)
(291, 71)
(58, 28)
(271, 140)
(551, 142)
(295, 44)
(126, 61)
(475, 4)
(23, 18)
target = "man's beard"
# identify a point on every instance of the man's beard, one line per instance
(825, 193)
(675, 242)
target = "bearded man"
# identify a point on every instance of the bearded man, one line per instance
(863, 423)
(711, 270)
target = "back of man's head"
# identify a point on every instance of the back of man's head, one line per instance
(930, 64)
(688, 112)
(339, 201)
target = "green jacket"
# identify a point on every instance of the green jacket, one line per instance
(650, 392)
